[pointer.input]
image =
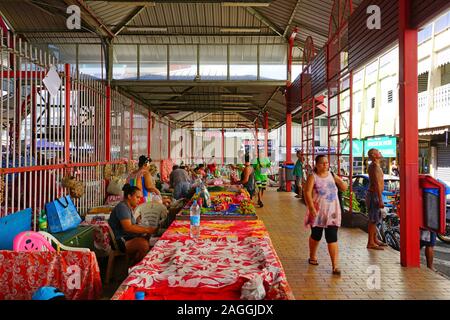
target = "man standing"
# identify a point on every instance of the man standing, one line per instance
(298, 173)
(374, 199)
(261, 165)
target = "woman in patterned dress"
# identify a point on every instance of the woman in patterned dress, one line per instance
(323, 210)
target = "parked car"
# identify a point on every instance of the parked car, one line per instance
(391, 190)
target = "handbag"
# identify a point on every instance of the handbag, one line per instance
(62, 215)
(340, 196)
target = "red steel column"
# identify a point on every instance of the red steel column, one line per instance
(67, 115)
(168, 141)
(223, 147)
(108, 124)
(409, 145)
(149, 133)
(256, 138)
(288, 144)
(288, 112)
(266, 133)
(131, 128)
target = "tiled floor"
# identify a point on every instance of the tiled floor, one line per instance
(283, 216)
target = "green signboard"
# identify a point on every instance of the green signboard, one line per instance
(386, 145)
(357, 148)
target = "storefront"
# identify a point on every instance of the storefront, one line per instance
(443, 162)
(424, 156)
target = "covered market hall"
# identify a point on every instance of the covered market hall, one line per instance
(177, 149)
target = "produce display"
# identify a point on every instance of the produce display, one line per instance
(224, 203)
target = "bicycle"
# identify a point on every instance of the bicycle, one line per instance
(389, 229)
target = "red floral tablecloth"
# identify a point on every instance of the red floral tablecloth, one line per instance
(75, 273)
(227, 255)
(102, 240)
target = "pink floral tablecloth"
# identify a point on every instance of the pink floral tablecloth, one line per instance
(227, 255)
(75, 273)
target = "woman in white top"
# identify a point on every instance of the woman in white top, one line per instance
(323, 210)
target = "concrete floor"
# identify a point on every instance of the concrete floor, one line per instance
(283, 216)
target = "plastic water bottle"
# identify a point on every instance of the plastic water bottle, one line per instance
(43, 221)
(139, 295)
(195, 220)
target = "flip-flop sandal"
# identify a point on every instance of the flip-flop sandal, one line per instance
(382, 244)
(375, 248)
(313, 262)
(337, 272)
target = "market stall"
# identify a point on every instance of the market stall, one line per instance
(225, 203)
(231, 260)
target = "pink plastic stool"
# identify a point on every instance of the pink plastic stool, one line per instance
(31, 241)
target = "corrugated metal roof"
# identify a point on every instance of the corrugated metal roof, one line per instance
(112, 14)
(193, 23)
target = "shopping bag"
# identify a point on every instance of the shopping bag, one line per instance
(62, 215)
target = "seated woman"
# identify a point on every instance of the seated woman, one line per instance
(142, 179)
(131, 238)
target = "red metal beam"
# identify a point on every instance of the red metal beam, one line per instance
(57, 166)
(223, 147)
(256, 139)
(108, 124)
(266, 133)
(10, 74)
(131, 128)
(288, 144)
(67, 115)
(291, 45)
(149, 133)
(409, 145)
(168, 141)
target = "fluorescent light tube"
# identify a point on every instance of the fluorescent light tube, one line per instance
(245, 4)
(153, 29)
(255, 30)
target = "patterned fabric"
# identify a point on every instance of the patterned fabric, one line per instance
(326, 202)
(22, 273)
(227, 255)
(166, 168)
(102, 240)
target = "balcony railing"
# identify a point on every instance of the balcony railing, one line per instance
(423, 100)
(442, 97)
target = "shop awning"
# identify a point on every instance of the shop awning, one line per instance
(433, 131)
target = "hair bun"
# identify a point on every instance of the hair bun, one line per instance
(126, 187)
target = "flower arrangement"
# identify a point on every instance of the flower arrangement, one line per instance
(247, 207)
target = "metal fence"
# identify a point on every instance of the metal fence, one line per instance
(76, 132)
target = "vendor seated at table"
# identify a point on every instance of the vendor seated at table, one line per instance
(180, 182)
(131, 238)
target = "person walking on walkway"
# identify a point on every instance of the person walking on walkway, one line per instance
(261, 165)
(298, 173)
(374, 199)
(323, 210)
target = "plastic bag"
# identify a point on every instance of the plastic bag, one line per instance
(253, 289)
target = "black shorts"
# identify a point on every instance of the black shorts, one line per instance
(330, 233)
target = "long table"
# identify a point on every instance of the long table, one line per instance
(216, 266)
